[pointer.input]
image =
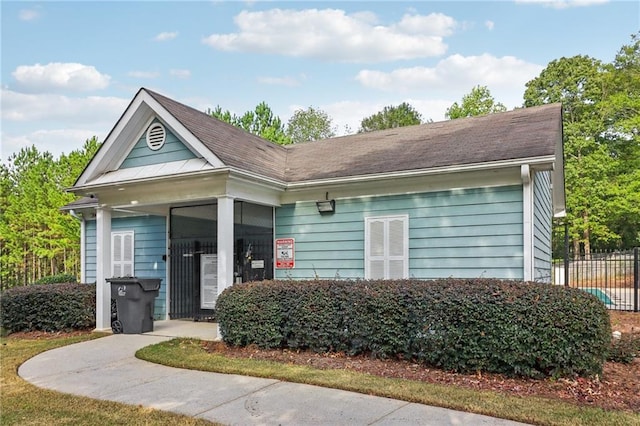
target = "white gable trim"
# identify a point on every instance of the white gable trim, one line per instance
(127, 131)
(182, 131)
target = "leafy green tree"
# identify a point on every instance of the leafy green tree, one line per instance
(391, 117)
(576, 82)
(478, 102)
(36, 238)
(308, 125)
(621, 111)
(261, 121)
(24, 222)
(601, 145)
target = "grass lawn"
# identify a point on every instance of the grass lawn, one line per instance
(189, 353)
(24, 404)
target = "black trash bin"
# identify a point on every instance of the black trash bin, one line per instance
(134, 299)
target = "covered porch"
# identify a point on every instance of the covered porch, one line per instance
(218, 231)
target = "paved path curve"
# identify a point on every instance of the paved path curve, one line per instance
(107, 369)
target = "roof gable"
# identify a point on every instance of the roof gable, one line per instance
(126, 134)
(234, 146)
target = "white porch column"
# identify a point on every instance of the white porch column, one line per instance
(225, 243)
(225, 247)
(83, 248)
(527, 221)
(103, 269)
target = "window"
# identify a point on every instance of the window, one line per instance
(122, 254)
(386, 247)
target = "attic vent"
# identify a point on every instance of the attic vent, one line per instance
(156, 136)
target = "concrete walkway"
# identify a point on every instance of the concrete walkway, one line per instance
(107, 369)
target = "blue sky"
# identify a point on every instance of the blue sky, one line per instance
(69, 69)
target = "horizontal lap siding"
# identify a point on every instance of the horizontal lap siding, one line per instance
(468, 234)
(327, 246)
(459, 233)
(172, 150)
(542, 217)
(150, 246)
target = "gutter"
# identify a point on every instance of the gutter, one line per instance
(547, 160)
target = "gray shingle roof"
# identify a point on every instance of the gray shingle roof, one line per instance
(81, 203)
(232, 145)
(522, 133)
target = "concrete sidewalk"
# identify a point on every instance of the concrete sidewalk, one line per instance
(107, 369)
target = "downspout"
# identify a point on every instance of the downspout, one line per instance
(83, 230)
(527, 221)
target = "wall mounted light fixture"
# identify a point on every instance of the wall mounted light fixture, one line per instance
(326, 205)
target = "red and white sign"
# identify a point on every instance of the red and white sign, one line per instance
(285, 253)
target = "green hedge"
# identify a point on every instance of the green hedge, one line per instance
(54, 307)
(57, 279)
(508, 327)
(625, 349)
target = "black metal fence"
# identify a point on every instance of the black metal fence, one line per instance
(612, 276)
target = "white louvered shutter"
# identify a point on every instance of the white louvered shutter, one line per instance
(386, 247)
(396, 244)
(376, 245)
(122, 246)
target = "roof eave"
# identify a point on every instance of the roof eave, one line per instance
(88, 188)
(545, 162)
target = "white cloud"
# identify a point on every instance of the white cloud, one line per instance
(334, 35)
(56, 76)
(564, 4)
(143, 74)
(436, 24)
(456, 76)
(180, 73)
(17, 107)
(28, 14)
(166, 36)
(279, 81)
(489, 24)
(56, 141)
(55, 123)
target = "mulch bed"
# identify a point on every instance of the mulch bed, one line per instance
(617, 389)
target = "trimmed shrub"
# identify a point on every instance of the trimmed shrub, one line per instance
(513, 328)
(625, 349)
(57, 279)
(54, 307)
(249, 307)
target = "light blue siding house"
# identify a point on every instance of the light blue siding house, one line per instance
(178, 195)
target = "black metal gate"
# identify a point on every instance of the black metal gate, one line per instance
(613, 276)
(184, 292)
